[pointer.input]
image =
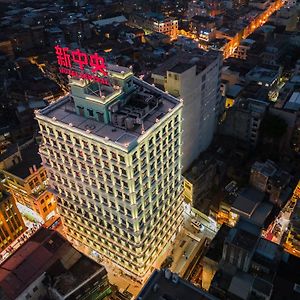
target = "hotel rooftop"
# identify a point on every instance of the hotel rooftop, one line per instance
(120, 112)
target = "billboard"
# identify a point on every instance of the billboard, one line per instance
(78, 64)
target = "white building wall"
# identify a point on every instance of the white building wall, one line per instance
(201, 96)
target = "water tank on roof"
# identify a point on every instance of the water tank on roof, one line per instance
(120, 120)
(129, 123)
(114, 108)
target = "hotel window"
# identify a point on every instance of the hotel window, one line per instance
(157, 137)
(95, 149)
(134, 156)
(68, 138)
(104, 152)
(100, 174)
(91, 112)
(110, 191)
(59, 135)
(63, 147)
(97, 160)
(85, 144)
(80, 153)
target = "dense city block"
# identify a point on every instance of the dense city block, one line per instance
(150, 150)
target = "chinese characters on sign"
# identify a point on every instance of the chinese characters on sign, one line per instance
(68, 59)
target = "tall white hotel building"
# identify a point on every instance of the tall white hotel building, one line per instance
(113, 155)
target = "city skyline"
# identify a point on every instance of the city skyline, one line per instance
(149, 150)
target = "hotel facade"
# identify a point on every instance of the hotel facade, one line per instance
(113, 155)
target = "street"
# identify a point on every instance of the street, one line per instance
(188, 243)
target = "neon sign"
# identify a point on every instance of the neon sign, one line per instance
(68, 60)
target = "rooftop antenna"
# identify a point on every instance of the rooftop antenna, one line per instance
(143, 128)
(99, 87)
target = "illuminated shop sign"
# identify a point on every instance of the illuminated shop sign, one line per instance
(73, 63)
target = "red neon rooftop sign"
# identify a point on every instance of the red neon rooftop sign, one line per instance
(71, 59)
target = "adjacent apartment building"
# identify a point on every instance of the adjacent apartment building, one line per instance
(47, 266)
(113, 154)
(11, 222)
(155, 22)
(27, 182)
(195, 78)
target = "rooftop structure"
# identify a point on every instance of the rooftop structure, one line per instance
(110, 21)
(263, 76)
(243, 239)
(249, 204)
(9, 156)
(48, 263)
(247, 201)
(268, 177)
(164, 284)
(155, 22)
(294, 102)
(30, 158)
(119, 120)
(185, 60)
